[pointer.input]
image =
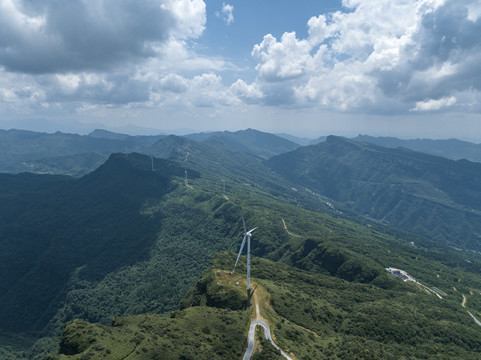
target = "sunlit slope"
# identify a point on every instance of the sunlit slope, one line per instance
(194, 333)
(312, 316)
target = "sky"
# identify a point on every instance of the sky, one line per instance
(405, 68)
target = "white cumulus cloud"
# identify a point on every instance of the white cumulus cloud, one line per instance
(432, 105)
(377, 56)
(98, 51)
(226, 13)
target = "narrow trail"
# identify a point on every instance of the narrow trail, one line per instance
(287, 230)
(475, 320)
(463, 304)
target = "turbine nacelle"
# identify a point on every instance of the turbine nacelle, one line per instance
(249, 233)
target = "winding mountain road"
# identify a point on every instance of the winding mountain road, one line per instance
(267, 334)
(287, 230)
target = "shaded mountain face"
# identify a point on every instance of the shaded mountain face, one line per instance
(17, 143)
(52, 226)
(424, 194)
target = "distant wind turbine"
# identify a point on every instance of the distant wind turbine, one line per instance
(247, 236)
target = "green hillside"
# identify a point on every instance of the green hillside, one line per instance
(426, 195)
(194, 333)
(345, 267)
(312, 315)
(122, 240)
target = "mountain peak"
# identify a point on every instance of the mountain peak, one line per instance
(335, 138)
(105, 134)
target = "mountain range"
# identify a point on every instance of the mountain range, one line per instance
(77, 155)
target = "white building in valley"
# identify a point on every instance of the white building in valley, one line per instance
(399, 273)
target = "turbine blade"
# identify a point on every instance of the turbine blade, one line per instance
(249, 233)
(244, 223)
(240, 251)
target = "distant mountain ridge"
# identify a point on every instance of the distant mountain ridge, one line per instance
(138, 139)
(77, 155)
(22, 150)
(452, 148)
(424, 194)
(250, 141)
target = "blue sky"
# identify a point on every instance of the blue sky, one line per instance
(406, 68)
(254, 19)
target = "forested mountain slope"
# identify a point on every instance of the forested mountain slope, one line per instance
(122, 240)
(133, 236)
(91, 226)
(315, 314)
(427, 195)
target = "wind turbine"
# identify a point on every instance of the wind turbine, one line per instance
(247, 236)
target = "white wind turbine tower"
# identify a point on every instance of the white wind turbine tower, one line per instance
(247, 235)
